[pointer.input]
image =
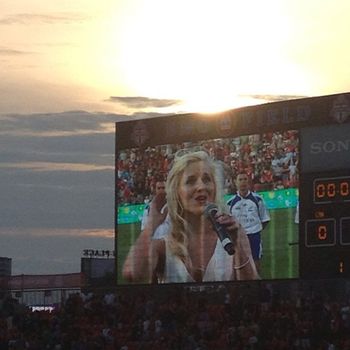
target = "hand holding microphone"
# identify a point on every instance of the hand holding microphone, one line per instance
(220, 228)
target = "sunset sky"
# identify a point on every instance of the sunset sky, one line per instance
(70, 69)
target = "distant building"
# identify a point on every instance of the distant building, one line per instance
(5, 266)
(98, 271)
(5, 272)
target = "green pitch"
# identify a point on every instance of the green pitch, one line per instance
(280, 246)
(280, 251)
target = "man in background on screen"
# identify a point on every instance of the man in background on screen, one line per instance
(159, 197)
(251, 212)
(158, 194)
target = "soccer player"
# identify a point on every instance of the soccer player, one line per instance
(159, 196)
(251, 212)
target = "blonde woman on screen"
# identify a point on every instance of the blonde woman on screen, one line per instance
(191, 250)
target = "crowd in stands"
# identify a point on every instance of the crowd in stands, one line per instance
(224, 316)
(271, 161)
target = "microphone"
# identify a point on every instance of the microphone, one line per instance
(225, 239)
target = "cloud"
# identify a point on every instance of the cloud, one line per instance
(56, 44)
(147, 115)
(25, 94)
(143, 102)
(50, 166)
(59, 124)
(57, 170)
(57, 199)
(30, 18)
(4, 51)
(43, 232)
(48, 251)
(73, 141)
(274, 98)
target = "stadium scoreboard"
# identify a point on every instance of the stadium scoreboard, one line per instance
(325, 198)
(323, 127)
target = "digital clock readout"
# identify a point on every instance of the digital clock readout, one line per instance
(332, 190)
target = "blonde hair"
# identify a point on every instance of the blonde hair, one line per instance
(178, 239)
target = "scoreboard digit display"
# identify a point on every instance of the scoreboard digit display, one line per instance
(297, 154)
(332, 190)
(319, 232)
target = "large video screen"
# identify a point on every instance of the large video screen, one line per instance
(206, 198)
(179, 204)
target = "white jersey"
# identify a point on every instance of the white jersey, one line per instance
(145, 215)
(250, 211)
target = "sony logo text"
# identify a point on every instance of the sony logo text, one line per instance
(330, 146)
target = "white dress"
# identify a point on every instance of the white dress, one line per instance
(219, 268)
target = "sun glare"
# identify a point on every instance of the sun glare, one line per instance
(214, 103)
(205, 53)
